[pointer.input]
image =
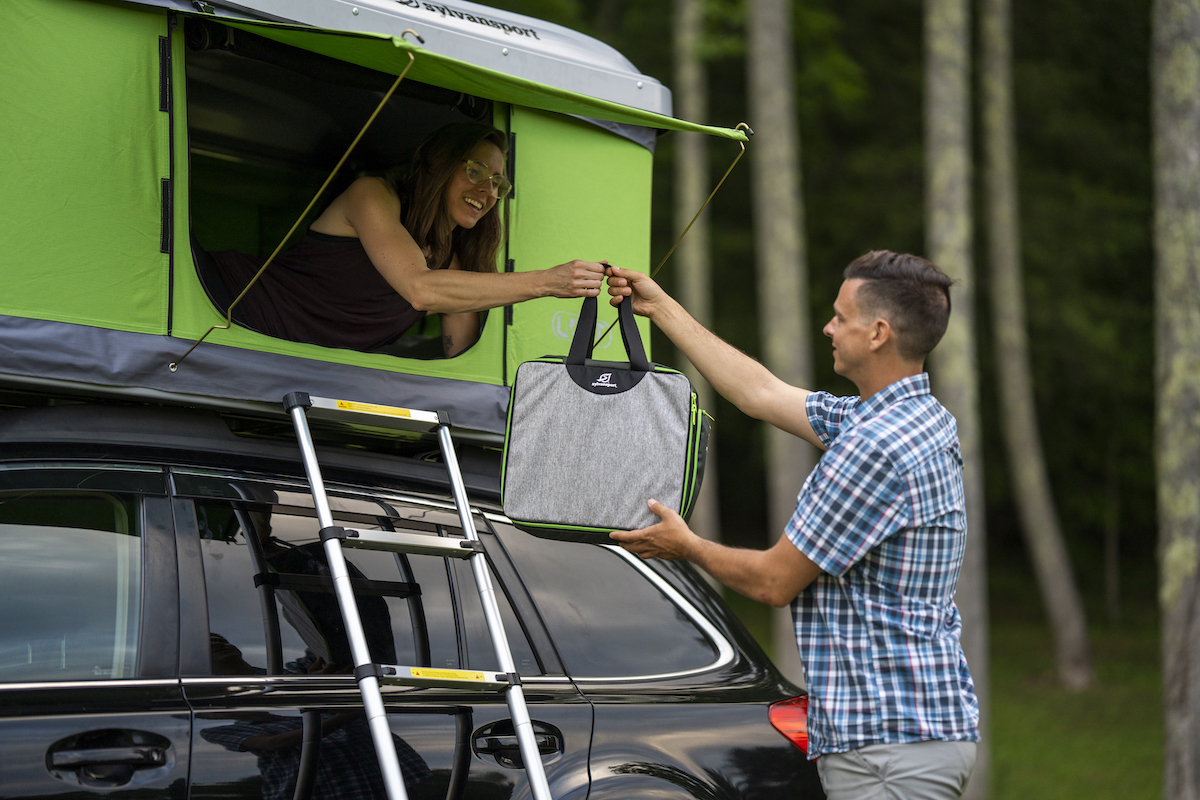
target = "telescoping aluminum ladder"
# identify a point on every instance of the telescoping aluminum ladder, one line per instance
(300, 406)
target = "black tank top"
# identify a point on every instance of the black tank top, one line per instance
(324, 291)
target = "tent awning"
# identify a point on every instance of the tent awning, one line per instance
(389, 54)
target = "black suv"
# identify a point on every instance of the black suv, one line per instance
(168, 628)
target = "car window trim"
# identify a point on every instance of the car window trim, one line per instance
(156, 648)
(385, 498)
(141, 472)
(117, 683)
(158, 637)
(725, 651)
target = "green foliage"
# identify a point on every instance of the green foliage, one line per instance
(1081, 85)
(724, 29)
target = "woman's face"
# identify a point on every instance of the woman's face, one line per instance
(467, 203)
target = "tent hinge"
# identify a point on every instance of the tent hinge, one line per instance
(167, 217)
(509, 266)
(164, 74)
(512, 164)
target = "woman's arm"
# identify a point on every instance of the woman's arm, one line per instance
(459, 331)
(372, 211)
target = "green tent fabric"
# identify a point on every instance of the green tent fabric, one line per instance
(389, 54)
(84, 153)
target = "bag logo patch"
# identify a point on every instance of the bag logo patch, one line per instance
(606, 381)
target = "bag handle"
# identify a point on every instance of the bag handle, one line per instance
(585, 329)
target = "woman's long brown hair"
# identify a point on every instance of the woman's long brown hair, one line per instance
(422, 191)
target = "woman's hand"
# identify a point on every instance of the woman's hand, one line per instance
(575, 279)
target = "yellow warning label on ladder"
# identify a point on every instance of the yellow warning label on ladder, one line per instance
(446, 674)
(370, 408)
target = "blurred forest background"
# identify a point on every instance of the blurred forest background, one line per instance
(1081, 82)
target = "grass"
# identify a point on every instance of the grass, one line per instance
(1052, 744)
(1104, 742)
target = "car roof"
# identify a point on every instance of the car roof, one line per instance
(169, 435)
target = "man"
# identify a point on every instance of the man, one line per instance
(871, 556)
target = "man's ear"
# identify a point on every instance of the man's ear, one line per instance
(881, 334)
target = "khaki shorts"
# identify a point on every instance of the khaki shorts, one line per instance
(934, 770)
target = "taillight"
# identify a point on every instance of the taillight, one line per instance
(790, 717)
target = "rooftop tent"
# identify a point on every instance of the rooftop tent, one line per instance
(119, 143)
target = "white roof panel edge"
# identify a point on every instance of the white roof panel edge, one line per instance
(489, 37)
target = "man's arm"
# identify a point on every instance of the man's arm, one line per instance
(773, 576)
(736, 376)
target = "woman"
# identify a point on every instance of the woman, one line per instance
(389, 250)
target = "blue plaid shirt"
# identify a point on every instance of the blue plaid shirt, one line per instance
(883, 516)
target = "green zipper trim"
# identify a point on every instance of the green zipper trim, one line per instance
(561, 526)
(689, 461)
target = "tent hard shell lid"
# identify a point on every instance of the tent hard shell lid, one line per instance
(128, 130)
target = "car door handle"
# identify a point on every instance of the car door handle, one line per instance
(143, 757)
(109, 758)
(547, 743)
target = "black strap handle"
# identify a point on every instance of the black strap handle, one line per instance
(585, 329)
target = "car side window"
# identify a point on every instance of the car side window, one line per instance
(607, 619)
(271, 605)
(480, 654)
(70, 583)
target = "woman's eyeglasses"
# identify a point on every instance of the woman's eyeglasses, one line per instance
(477, 173)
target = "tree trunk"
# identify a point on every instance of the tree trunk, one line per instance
(1175, 69)
(782, 271)
(1039, 520)
(693, 260)
(953, 362)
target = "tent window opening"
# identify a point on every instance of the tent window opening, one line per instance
(266, 124)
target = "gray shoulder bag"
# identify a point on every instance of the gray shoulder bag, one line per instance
(589, 442)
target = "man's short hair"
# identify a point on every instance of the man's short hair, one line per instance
(909, 292)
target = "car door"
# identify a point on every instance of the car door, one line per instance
(265, 661)
(89, 700)
(680, 711)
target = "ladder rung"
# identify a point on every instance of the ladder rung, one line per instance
(443, 678)
(425, 544)
(379, 416)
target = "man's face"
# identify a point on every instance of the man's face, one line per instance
(850, 331)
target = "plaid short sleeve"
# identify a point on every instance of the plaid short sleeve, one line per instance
(826, 413)
(852, 501)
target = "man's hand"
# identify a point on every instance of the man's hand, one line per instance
(671, 538)
(646, 295)
(575, 279)
(773, 576)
